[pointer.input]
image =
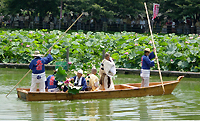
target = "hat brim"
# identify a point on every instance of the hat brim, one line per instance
(75, 72)
(36, 55)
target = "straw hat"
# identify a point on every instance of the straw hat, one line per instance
(147, 49)
(37, 53)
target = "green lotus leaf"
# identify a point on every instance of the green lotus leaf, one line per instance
(1, 51)
(178, 54)
(61, 74)
(55, 51)
(183, 64)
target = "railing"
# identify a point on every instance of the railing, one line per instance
(181, 29)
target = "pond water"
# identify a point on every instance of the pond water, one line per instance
(182, 104)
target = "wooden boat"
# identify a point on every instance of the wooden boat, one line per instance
(121, 91)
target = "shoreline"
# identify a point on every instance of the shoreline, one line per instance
(119, 70)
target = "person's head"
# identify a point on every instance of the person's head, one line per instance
(94, 71)
(79, 73)
(147, 51)
(37, 54)
(107, 56)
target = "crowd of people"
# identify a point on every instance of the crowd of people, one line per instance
(107, 72)
(101, 23)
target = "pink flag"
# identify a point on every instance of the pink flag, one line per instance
(155, 10)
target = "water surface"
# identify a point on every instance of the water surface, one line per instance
(182, 104)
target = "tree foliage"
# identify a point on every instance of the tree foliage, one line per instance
(109, 8)
(36, 6)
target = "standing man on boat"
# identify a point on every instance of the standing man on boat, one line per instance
(146, 64)
(38, 70)
(51, 83)
(106, 72)
(79, 80)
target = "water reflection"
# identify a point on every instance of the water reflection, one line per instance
(183, 104)
(143, 110)
(37, 111)
(105, 110)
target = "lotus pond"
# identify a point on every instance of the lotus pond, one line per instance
(175, 52)
(182, 104)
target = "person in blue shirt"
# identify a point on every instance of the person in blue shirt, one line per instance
(51, 83)
(79, 80)
(146, 64)
(38, 70)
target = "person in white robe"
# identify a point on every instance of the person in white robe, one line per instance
(106, 72)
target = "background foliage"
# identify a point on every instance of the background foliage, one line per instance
(174, 9)
(174, 52)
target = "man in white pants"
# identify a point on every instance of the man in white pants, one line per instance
(146, 64)
(38, 70)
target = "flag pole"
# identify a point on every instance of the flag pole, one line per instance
(154, 47)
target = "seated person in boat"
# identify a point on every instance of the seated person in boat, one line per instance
(106, 72)
(51, 83)
(79, 80)
(38, 70)
(93, 80)
(146, 64)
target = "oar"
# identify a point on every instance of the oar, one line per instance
(46, 52)
(154, 47)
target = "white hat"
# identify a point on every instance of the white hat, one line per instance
(80, 71)
(147, 49)
(37, 53)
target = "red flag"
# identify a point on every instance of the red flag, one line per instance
(155, 10)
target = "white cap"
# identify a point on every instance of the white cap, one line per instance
(80, 71)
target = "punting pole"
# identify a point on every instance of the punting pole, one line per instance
(46, 52)
(154, 46)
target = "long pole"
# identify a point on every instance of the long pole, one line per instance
(46, 53)
(154, 47)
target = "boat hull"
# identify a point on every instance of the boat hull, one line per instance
(121, 91)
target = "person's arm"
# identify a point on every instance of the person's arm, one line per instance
(148, 62)
(84, 85)
(151, 55)
(48, 59)
(31, 65)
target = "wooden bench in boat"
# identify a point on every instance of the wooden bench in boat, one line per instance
(129, 86)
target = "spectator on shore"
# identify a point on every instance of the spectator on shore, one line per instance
(16, 21)
(26, 21)
(198, 26)
(51, 21)
(173, 26)
(21, 21)
(46, 22)
(158, 24)
(105, 21)
(37, 21)
(169, 26)
(142, 25)
(65, 19)
(79, 23)
(180, 27)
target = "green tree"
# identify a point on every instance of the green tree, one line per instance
(35, 6)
